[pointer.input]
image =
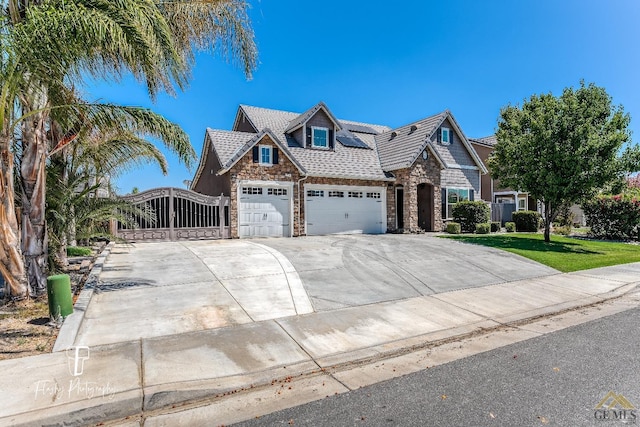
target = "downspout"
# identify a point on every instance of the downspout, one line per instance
(300, 205)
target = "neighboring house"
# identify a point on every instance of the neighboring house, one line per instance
(491, 190)
(291, 174)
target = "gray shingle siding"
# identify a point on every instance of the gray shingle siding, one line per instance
(461, 178)
(455, 153)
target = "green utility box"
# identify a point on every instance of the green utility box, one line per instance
(59, 293)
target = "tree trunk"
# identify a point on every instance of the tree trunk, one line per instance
(11, 261)
(547, 221)
(33, 178)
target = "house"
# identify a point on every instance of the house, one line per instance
(491, 190)
(290, 174)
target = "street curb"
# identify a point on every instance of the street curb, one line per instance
(71, 326)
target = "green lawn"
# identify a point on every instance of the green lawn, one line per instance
(562, 253)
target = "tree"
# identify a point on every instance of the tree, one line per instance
(47, 44)
(563, 149)
(109, 141)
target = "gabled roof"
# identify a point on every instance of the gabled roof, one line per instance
(489, 141)
(231, 146)
(341, 162)
(399, 148)
(229, 157)
(304, 117)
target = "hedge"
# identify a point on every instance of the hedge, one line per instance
(453, 228)
(468, 214)
(613, 217)
(495, 226)
(510, 227)
(483, 228)
(526, 220)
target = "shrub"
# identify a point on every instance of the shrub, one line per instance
(483, 228)
(565, 230)
(613, 217)
(78, 251)
(526, 220)
(495, 226)
(453, 228)
(468, 214)
(510, 227)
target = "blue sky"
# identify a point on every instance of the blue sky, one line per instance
(393, 63)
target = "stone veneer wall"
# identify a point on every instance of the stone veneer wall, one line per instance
(284, 171)
(422, 172)
(245, 169)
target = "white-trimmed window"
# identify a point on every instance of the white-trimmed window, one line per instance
(453, 196)
(373, 195)
(336, 193)
(522, 204)
(319, 137)
(445, 137)
(355, 194)
(265, 155)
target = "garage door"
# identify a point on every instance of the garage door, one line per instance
(343, 209)
(264, 211)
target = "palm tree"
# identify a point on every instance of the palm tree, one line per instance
(103, 148)
(49, 43)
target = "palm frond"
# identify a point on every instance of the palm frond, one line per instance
(221, 26)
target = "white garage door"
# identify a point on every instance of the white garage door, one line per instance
(344, 209)
(264, 211)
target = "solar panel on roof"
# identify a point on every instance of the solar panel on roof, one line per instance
(360, 128)
(349, 140)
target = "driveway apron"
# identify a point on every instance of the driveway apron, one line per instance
(156, 289)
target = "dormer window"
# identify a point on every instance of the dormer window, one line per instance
(319, 137)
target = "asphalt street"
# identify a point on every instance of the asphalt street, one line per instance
(557, 379)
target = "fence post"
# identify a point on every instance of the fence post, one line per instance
(221, 219)
(172, 216)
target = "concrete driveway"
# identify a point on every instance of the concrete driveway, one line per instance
(157, 289)
(349, 270)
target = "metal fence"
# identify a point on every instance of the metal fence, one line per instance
(169, 214)
(502, 212)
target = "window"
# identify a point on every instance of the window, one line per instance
(319, 137)
(251, 190)
(451, 197)
(315, 193)
(336, 193)
(522, 204)
(277, 191)
(373, 195)
(265, 155)
(355, 194)
(446, 136)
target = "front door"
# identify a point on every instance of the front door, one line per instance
(425, 207)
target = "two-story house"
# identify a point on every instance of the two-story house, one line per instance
(291, 174)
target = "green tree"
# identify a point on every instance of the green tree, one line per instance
(49, 44)
(563, 149)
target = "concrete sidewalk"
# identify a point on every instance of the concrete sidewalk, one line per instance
(182, 378)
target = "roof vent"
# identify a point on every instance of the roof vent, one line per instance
(413, 128)
(393, 135)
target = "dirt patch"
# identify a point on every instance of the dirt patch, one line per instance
(25, 326)
(23, 332)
